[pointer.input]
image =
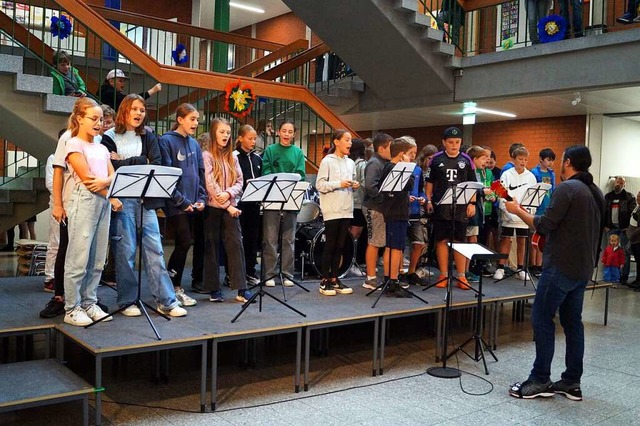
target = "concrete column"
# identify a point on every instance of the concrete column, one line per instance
(221, 19)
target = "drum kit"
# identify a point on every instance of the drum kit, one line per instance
(310, 238)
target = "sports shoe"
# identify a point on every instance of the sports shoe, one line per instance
(371, 284)
(286, 282)
(78, 317)
(356, 271)
(571, 391)
(462, 283)
(198, 287)
(394, 289)
(636, 19)
(442, 281)
(95, 313)
(530, 389)
(270, 283)
(523, 276)
(183, 298)
(216, 296)
(243, 296)
(326, 289)
(52, 309)
(49, 286)
(498, 274)
(627, 18)
(252, 280)
(424, 272)
(132, 311)
(471, 277)
(341, 288)
(414, 279)
(176, 312)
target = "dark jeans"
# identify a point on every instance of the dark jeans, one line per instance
(558, 293)
(336, 232)
(220, 226)
(58, 269)
(251, 224)
(198, 246)
(576, 13)
(635, 250)
(183, 225)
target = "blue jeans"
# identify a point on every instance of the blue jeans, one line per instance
(576, 13)
(270, 230)
(558, 293)
(123, 232)
(89, 236)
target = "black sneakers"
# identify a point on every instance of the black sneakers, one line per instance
(414, 279)
(395, 289)
(326, 289)
(52, 309)
(341, 288)
(530, 389)
(570, 390)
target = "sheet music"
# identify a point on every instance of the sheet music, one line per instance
(397, 177)
(294, 203)
(274, 191)
(464, 192)
(130, 181)
(470, 249)
(534, 195)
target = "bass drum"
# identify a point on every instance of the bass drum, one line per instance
(310, 209)
(310, 240)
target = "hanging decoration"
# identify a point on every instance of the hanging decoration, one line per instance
(507, 44)
(60, 27)
(239, 99)
(180, 54)
(551, 28)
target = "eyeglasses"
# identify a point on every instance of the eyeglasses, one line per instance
(96, 119)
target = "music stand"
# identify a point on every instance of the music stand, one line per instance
(271, 189)
(395, 182)
(480, 254)
(139, 182)
(461, 193)
(530, 199)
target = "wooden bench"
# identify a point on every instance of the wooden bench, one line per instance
(42, 382)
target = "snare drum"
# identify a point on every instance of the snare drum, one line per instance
(310, 210)
(310, 241)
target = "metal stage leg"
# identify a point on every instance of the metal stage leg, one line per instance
(606, 305)
(203, 377)
(383, 342)
(214, 373)
(376, 331)
(298, 357)
(307, 350)
(98, 390)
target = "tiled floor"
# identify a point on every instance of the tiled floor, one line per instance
(343, 392)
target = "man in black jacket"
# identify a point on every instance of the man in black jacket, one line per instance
(112, 90)
(620, 205)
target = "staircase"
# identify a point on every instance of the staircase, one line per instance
(31, 117)
(383, 40)
(341, 95)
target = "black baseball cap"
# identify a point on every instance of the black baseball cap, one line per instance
(452, 132)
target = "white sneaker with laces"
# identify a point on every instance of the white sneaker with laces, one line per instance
(356, 271)
(424, 272)
(499, 274)
(132, 311)
(371, 284)
(522, 275)
(184, 299)
(270, 283)
(78, 317)
(95, 313)
(287, 282)
(178, 311)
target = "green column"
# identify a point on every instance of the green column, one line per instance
(221, 20)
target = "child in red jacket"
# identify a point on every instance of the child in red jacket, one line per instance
(613, 259)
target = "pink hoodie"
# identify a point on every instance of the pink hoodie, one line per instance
(213, 189)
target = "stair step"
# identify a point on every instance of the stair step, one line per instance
(421, 20)
(407, 5)
(445, 49)
(33, 84)
(59, 104)
(434, 34)
(10, 64)
(20, 195)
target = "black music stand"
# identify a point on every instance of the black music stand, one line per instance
(395, 182)
(140, 182)
(275, 188)
(480, 254)
(461, 194)
(531, 199)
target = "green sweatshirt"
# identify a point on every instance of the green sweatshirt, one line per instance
(283, 159)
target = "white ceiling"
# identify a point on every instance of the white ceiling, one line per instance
(242, 18)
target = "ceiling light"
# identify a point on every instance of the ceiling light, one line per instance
(246, 7)
(576, 99)
(494, 112)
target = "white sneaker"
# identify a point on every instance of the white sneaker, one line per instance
(95, 313)
(287, 282)
(522, 275)
(175, 312)
(251, 280)
(78, 317)
(499, 274)
(132, 311)
(371, 284)
(424, 272)
(405, 261)
(270, 283)
(184, 299)
(356, 272)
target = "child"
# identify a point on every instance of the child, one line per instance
(108, 118)
(545, 174)
(130, 144)
(395, 208)
(112, 90)
(509, 164)
(357, 154)
(179, 149)
(251, 165)
(515, 180)
(197, 253)
(223, 178)
(372, 206)
(447, 168)
(336, 183)
(89, 214)
(66, 80)
(282, 157)
(613, 259)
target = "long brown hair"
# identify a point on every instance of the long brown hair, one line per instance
(79, 108)
(123, 114)
(221, 155)
(181, 112)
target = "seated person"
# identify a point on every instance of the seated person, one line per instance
(66, 80)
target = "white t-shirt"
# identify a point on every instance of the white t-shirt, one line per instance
(128, 144)
(516, 184)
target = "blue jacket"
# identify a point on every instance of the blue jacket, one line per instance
(538, 174)
(185, 154)
(417, 191)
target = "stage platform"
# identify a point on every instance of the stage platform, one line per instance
(210, 323)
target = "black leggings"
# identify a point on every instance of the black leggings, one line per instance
(58, 269)
(183, 225)
(336, 232)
